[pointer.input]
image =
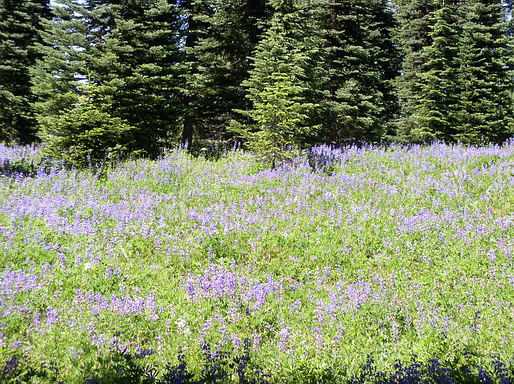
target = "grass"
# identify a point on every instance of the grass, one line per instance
(347, 265)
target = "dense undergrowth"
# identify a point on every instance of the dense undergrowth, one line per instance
(346, 265)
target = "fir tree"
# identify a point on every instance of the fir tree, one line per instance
(134, 63)
(60, 74)
(434, 114)
(486, 102)
(86, 135)
(127, 54)
(221, 38)
(284, 85)
(389, 61)
(415, 19)
(362, 61)
(20, 25)
(191, 91)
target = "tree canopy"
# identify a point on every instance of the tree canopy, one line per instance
(270, 73)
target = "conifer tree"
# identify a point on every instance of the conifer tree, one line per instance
(415, 18)
(190, 93)
(434, 116)
(59, 75)
(284, 84)
(20, 25)
(362, 61)
(221, 38)
(389, 61)
(486, 103)
(135, 64)
(127, 54)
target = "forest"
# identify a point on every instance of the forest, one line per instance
(99, 79)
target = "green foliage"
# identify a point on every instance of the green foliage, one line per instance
(284, 87)
(275, 73)
(412, 36)
(86, 135)
(397, 252)
(361, 61)
(59, 76)
(133, 58)
(456, 83)
(20, 27)
(221, 36)
(434, 116)
(485, 100)
(279, 117)
(129, 52)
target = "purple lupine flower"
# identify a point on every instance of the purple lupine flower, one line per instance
(284, 333)
(52, 317)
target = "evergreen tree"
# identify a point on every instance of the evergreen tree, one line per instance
(486, 103)
(74, 122)
(86, 135)
(190, 93)
(415, 20)
(59, 75)
(362, 61)
(221, 38)
(389, 61)
(127, 54)
(134, 63)
(284, 84)
(434, 116)
(20, 25)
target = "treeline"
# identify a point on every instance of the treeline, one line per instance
(97, 78)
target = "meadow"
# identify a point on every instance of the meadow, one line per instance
(349, 265)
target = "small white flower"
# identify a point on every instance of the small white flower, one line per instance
(183, 327)
(88, 266)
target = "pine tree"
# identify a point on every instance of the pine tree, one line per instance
(20, 25)
(59, 75)
(415, 18)
(434, 116)
(485, 53)
(284, 85)
(127, 55)
(221, 38)
(134, 63)
(362, 61)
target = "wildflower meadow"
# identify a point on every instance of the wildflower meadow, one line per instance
(351, 265)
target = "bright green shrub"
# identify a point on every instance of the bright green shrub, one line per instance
(86, 135)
